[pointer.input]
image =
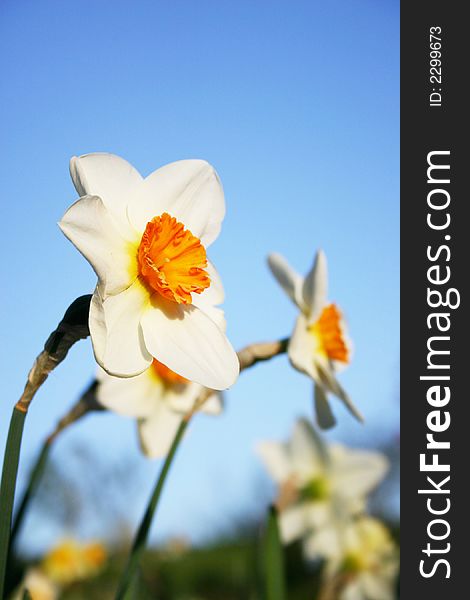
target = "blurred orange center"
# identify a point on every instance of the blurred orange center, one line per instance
(330, 334)
(94, 554)
(64, 557)
(172, 261)
(168, 376)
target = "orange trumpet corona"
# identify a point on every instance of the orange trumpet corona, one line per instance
(329, 332)
(168, 376)
(172, 261)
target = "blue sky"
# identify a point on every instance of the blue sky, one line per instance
(297, 106)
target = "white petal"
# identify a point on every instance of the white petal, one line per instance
(319, 514)
(377, 587)
(304, 356)
(211, 297)
(302, 349)
(157, 433)
(323, 543)
(357, 472)
(328, 379)
(293, 523)
(39, 586)
(187, 341)
(215, 313)
(188, 190)
(307, 450)
(181, 398)
(290, 281)
(353, 591)
(325, 418)
(92, 229)
(116, 333)
(130, 396)
(108, 176)
(276, 460)
(315, 287)
(215, 293)
(214, 405)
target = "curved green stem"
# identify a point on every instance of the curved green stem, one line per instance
(86, 404)
(72, 327)
(34, 478)
(7, 488)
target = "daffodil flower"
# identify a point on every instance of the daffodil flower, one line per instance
(72, 561)
(146, 239)
(366, 562)
(319, 344)
(39, 586)
(159, 399)
(319, 485)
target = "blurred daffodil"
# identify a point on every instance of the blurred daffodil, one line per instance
(146, 239)
(73, 561)
(320, 486)
(159, 399)
(319, 344)
(39, 586)
(365, 565)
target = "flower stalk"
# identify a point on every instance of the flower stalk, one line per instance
(255, 353)
(87, 403)
(143, 531)
(248, 356)
(274, 578)
(7, 489)
(73, 327)
(332, 587)
(34, 479)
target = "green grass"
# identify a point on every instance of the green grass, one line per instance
(228, 570)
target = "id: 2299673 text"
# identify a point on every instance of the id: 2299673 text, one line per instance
(435, 66)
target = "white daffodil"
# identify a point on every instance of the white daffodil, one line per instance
(159, 399)
(319, 486)
(319, 345)
(366, 564)
(146, 239)
(39, 586)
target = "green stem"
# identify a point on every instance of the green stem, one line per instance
(7, 489)
(274, 577)
(73, 327)
(87, 403)
(140, 540)
(34, 479)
